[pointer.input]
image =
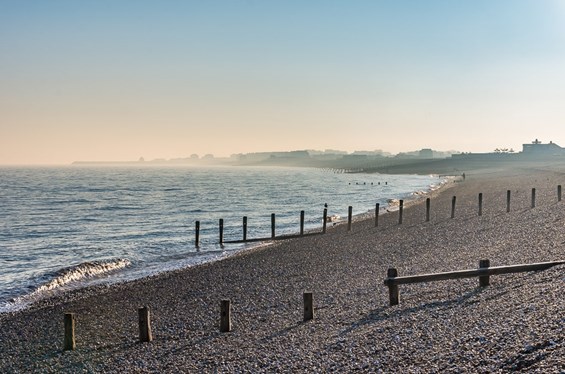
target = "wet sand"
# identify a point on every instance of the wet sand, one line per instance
(517, 323)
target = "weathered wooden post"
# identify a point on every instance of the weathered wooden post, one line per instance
(272, 225)
(400, 211)
(308, 306)
(377, 207)
(533, 198)
(69, 341)
(428, 202)
(324, 220)
(393, 294)
(144, 325)
(453, 200)
(301, 222)
(508, 201)
(480, 204)
(221, 231)
(197, 234)
(244, 228)
(559, 193)
(225, 316)
(349, 216)
(484, 280)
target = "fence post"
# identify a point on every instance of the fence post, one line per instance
(484, 280)
(533, 198)
(480, 204)
(453, 200)
(324, 220)
(559, 193)
(144, 325)
(400, 211)
(225, 316)
(272, 225)
(508, 201)
(428, 202)
(221, 231)
(197, 234)
(393, 294)
(308, 306)
(349, 214)
(69, 341)
(244, 228)
(377, 207)
(301, 222)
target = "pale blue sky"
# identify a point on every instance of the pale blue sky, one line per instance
(116, 80)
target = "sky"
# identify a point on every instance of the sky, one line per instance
(119, 80)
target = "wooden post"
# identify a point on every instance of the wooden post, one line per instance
(400, 211)
(393, 294)
(272, 225)
(244, 228)
(480, 204)
(453, 200)
(221, 231)
(301, 222)
(508, 201)
(308, 306)
(225, 316)
(428, 202)
(484, 280)
(197, 234)
(559, 193)
(533, 198)
(144, 325)
(69, 341)
(377, 208)
(324, 220)
(349, 216)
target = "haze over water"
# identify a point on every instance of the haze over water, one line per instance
(72, 226)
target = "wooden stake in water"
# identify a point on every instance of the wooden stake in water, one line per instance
(244, 228)
(272, 225)
(453, 200)
(221, 231)
(301, 222)
(480, 204)
(225, 316)
(197, 234)
(324, 220)
(428, 202)
(377, 208)
(144, 325)
(349, 217)
(69, 341)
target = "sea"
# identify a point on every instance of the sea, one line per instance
(69, 227)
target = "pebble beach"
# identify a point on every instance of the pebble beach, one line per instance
(517, 323)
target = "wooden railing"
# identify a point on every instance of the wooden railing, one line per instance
(483, 272)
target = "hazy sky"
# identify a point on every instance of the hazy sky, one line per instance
(116, 80)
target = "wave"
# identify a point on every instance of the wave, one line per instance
(82, 271)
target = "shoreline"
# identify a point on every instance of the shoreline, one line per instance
(23, 301)
(353, 329)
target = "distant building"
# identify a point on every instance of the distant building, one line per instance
(537, 148)
(426, 153)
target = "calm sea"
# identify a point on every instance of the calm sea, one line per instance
(69, 227)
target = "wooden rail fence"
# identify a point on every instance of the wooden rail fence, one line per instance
(483, 272)
(273, 235)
